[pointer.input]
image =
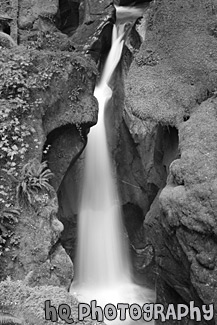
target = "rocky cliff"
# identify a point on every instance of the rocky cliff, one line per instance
(166, 150)
(162, 138)
(47, 108)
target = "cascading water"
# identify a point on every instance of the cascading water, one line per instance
(102, 268)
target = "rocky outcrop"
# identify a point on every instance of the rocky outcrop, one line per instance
(69, 195)
(67, 25)
(31, 11)
(37, 253)
(168, 147)
(188, 200)
(58, 100)
(8, 18)
(49, 97)
(164, 133)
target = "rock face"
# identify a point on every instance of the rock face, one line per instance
(165, 134)
(8, 18)
(58, 100)
(53, 105)
(39, 255)
(31, 11)
(168, 143)
(188, 203)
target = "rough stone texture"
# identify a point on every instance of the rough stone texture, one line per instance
(27, 303)
(172, 82)
(178, 61)
(70, 99)
(67, 26)
(190, 209)
(65, 146)
(94, 35)
(62, 105)
(69, 195)
(38, 254)
(8, 17)
(6, 41)
(61, 95)
(68, 16)
(30, 11)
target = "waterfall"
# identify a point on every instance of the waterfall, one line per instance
(102, 265)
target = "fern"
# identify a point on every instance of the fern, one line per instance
(34, 177)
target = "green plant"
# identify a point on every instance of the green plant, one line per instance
(15, 90)
(34, 177)
(75, 94)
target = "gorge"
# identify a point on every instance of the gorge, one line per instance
(161, 126)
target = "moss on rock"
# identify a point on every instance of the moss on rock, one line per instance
(27, 303)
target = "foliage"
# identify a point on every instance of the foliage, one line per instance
(151, 59)
(25, 77)
(75, 94)
(15, 91)
(34, 177)
(28, 80)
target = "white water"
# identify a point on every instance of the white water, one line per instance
(102, 268)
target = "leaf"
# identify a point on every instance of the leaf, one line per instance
(34, 178)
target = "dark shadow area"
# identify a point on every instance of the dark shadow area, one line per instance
(62, 148)
(63, 152)
(142, 172)
(5, 26)
(101, 47)
(67, 19)
(166, 148)
(69, 198)
(133, 218)
(133, 3)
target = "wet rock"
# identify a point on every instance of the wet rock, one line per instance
(94, 34)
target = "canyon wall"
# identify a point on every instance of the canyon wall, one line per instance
(167, 148)
(47, 108)
(163, 137)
